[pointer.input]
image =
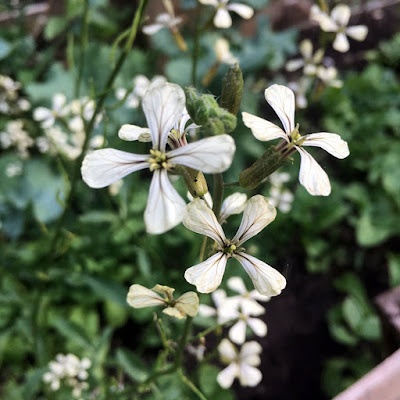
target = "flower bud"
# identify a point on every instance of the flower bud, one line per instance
(194, 180)
(232, 89)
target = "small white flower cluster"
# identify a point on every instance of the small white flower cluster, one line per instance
(64, 126)
(10, 100)
(280, 197)
(68, 370)
(16, 136)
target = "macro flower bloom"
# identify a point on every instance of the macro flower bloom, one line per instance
(207, 276)
(222, 19)
(311, 175)
(163, 105)
(139, 297)
(241, 364)
(309, 61)
(337, 22)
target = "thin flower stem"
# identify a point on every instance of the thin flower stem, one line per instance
(191, 386)
(218, 193)
(195, 53)
(203, 248)
(84, 41)
(183, 341)
(161, 331)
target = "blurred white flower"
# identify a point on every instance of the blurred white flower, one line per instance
(222, 19)
(14, 169)
(16, 136)
(337, 22)
(309, 62)
(241, 364)
(207, 276)
(139, 297)
(328, 76)
(281, 198)
(163, 20)
(163, 104)
(311, 175)
(48, 116)
(223, 52)
(300, 88)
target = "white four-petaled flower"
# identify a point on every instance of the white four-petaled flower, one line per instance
(163, 105)
(311, 175)
(309, 61)
(207, 276)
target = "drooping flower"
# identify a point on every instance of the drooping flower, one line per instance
(309, 62)
(337, 22)
(222, 19)
(241, 364)
(207, 276)
(187, 304)
(311, 175)
(163, 104)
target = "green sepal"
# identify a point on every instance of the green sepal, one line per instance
(194, 180)
(232, 90)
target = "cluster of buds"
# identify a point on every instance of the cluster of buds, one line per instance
(15, 136)
(10, 100)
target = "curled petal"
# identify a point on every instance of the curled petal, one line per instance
(133, 132)
(267, 280)
(238, 332)
(244, 11)
(357, 32)
(103, 167)
(341, 14)
(165, 207)
(256, 216)
(262, 129)
(226, 377)
(341, 43)
(188, 303)
(201, 219)
(166, 291)
(233, 204)
(207, 276)
(258, 326)
(312, 176)
(139, 297)
(222, 18)
(281, 99)
(330, 142)
(248, 375)
(211, 155)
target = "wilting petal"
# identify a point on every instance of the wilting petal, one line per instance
(236, 284)
(294, 65)
(312, 176)
(188, 303)
(163, 104)
(133, 132)
(256, 216)
(341, 14)
(357, 32)
(250, 353)
(262, 129)
(248, 375)
(165, 207)
(244, 11)
(201, 219)
(152, 29)
(341, 43)
(226, 377)
(233, 204)
(238, 332)
(166, 291)
(174, 312)
(139, 297)
(211, 155)
(103, 167)
(207, 276)
(330, 142)
(258, 326)
(267, 280)
(281, 99)
(222, 18)
(227, 351)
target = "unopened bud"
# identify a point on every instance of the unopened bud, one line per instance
(194, 180)
(232, 89)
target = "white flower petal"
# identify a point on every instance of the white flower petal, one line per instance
(255, 295)
(306, 48)
(327, 24)
(133, 132)
(139, 297)
(244, 11)
(207, 311)
(281, 99)
(207, 276)
(227, 351)
(330, 142)
(256, 216)
(188, 303)
(219, 296)
(233, 204)
(201, 219)
(236, 284)
(250, 353)
(251, 307)
(222, 18)
(103, 167)
(163, 103)
(152, 29)
(165, 208)
(294, 65)
(341, 14)
(312, 176)
(267, 280)
(226, 377)
(211, 155)
(229, 309)
(209, 2)
(357, 32)
(237, 334)
(258, 326)
(174, 312)
(262, 129)
(248, 375)
(42, 113)
(341, 43)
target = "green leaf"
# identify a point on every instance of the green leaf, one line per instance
(107, 289)
(394, 269)
(353, 313)
(208, 379)
(132, 365)
(370, 328)
(71, 331)
(5, 48)
(54, 26)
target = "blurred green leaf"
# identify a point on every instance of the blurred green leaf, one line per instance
(394, 269)
(132, 365)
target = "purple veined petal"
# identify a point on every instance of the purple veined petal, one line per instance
(312, 176)
(262, 129)
(207, 276)
(103, 167)
(282, 100)
(330, 142)
(165, 207)
(222, 18)
(163, 103)
(242, 10)
(211, 155)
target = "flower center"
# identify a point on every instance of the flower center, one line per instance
(229, 249)
(158, 160)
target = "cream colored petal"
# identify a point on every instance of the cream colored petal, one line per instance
(103, 167)
(244, 11)
(267, 280)
(281, 99)
(357, 32)
(166, 291)
(255, 295)
(209, 2)
(294, 65)
(262, 129)
(139, 297)
(341, 43)
(233, 204)
(163, 103)
(250, 353)
(229, 309)
(226, 377)
(227, 351)
(330, 142)
(188, 303)
(256, 216)
(306, 48)
(133, 132)
(152, 29)
(236, 284)
(207, 276)
(219, 296)
(318, 56)
(207, 197)
(258, 326)
(174, 312)
(207, 311)
(201, 219)
(237, 333)
(312, 176)
(222, 18)
(309, 69)
(165, 208)
(341, 14)
(211, 155)
(248, 375)
(251, 308)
